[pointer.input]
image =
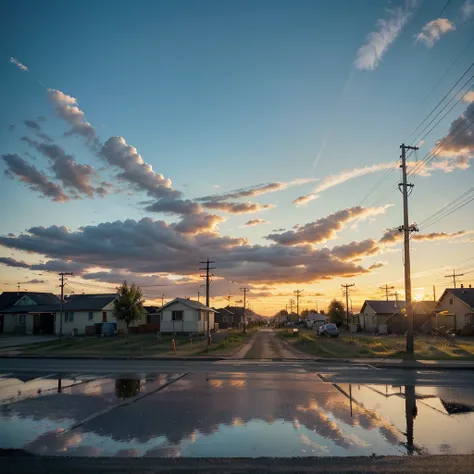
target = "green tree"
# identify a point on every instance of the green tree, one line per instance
(336, 312)
(129, 304)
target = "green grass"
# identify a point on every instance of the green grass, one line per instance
(363, 346)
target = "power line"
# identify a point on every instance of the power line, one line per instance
(443, 9)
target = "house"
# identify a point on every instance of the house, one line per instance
(82, 314)
(226, 318)
(153, 315)
(422, 316)
(186, 316)
(455, 308)
(375, 313)
(316, 319)
(27, 312)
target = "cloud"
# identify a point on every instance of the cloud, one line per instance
(376, 265)
(175, 206)
(35, 281)
(67, 108)
(393, 236)
(11, 262)
(118, 153)
(18, 64)
(387, 31)
(355, 249)
(325, 228)
(32, 124)
(142, 247)
(459, 142)
(433, 31)
(468, 97)
(467, 9)
(36, 180)
(195, 223)
(11, 127)
(56, 266)
(340, 178)
(253, 222)
(237, 207)
(45, 137)
(71, 174)
(256, 190)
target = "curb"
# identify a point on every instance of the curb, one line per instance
(147, 359)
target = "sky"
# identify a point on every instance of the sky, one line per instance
(138, 139)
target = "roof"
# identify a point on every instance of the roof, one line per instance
(317, 316)
(9, 298)
(383, 306)
(191, 303)
(152, 309)
(88, 302)
(93, 302)
(466, 295)
(424, 307)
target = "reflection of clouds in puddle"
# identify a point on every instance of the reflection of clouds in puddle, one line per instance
(296, 424)
(315, 447)
(238, 422)
(85, 451)
(128, 453)
(164, 452)
(53, 442)
(216, 383)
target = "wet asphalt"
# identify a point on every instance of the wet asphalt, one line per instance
(231, 409)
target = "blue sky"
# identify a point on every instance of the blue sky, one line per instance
(218, 96)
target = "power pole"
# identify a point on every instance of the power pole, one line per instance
(208, 276)
(453, 276)
(386, 288)
(291, 306)
(406, 189)
(245, 302)
(434, 293)
(346, 291)
(298, 296)
(62, 275)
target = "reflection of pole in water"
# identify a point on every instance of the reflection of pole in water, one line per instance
(60, 379)
(350, 397)
(410, 413)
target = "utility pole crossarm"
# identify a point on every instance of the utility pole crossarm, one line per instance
(454, 276)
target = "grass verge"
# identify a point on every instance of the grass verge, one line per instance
(348, 346)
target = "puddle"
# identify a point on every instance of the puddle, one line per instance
(230, 415)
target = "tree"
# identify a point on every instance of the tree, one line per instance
(336, 312)
(129, 304)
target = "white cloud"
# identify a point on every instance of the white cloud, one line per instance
(342, 177)
(433, 31)
(378, 41)
(467, 9)
(18, 64)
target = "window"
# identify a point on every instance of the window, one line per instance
(22, 319)
(451, 300)
(69, 316)
(91, 316)
(177, 315)
(199, 315)
(104, 316)
(469, 318)
(224, 318)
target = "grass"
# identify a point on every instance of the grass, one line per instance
(231, 342)
(357, 345)
(134, 345)
(138, 345)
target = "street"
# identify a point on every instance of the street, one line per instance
(246, 408)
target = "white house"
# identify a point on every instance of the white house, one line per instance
(186, 316)
(455, 308)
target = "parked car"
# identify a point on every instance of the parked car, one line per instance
(329, 330)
